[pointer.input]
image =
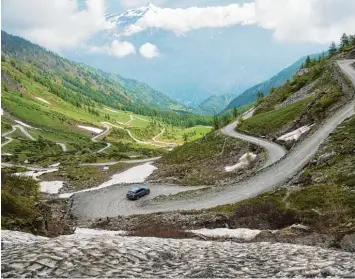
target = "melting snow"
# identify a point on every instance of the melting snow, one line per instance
(133, 175)
(51, 187)
(92, 129)
(296, 134)
(244, 234)
(92, 232)
(42, 100)
(36, 173)
(19, 237)
(23, 124)
(243, 161)
(54, 165)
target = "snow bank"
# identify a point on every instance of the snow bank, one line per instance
(296, 134)
(36, 173)
(42, 100)
(92, 129)
(133, 175)
(242, 234)
(111, 110)
(19, 237)
(23, 124)
(243, 161)
(93, 232)
(51, 187)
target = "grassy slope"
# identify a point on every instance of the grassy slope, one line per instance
(268, 120)
(202, 162)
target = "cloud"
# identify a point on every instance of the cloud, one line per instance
(184, 20)
(55, 24)
(149, 51)
(319, 21)
(116, 48)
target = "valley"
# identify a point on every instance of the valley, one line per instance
(76, 139)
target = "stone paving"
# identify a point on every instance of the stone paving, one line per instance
(120, 256)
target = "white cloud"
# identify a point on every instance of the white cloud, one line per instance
(319, 21)
(116, 48)
(149, 50)
(55, 24)
(184, 20)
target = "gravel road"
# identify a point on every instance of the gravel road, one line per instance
(89, 204)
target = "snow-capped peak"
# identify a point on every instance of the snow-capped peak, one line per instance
(131, 15)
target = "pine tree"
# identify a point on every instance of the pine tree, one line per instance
(332, 49)
(344, 41)
(215, 122)
(308, 62)
(260, 95)
(235, 112)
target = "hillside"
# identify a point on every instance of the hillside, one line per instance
(215, 104)
(250, 95)
(108, 89)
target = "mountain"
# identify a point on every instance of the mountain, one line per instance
(108, 89)
(278, 80)
(215, 104)
(189, 66)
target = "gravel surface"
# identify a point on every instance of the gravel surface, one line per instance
(118, 256)
(94, 204)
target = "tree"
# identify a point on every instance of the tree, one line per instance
(352, 40)
(185, 137)
(332, 49)
(235, 112)
(344, 41)
(260, 95)
(216, 122)
(308, 62)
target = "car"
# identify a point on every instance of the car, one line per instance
(137, 192)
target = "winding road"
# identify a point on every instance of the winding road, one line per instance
(102, 204)
(22, 129)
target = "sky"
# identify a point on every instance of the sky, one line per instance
(222, 42)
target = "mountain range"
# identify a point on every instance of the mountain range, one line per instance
(188, 66)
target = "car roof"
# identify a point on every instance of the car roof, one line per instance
(135, 189)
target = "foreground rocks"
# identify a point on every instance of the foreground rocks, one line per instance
(118, 256)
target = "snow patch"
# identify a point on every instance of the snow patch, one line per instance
(92, 129)
(54, 165)
(6, 154)
(2, 112)
(242, 234)
(42, 100)
(111, 110)
(36, 173)
(51, 187)
(296, 134)
(245, 160)
(16, 237)
(93, 232)
(133, 175)
(23, 124)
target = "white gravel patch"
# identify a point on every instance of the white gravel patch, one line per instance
(133, 175)
(51, 187)
(296, 134)
(43, 100)
(36, 173)
(242, 234)
(243, 161)
(23, 124)
(91, 129)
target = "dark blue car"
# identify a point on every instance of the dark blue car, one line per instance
(137, 192)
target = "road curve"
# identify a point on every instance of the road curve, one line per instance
(92, 205)
(63, 146)
(274, 151)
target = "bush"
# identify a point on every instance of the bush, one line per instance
(18, 201)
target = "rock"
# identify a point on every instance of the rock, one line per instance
(348, 243)
(325, 157)
(300, 227)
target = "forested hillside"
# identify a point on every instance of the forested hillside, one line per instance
(83, 86)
